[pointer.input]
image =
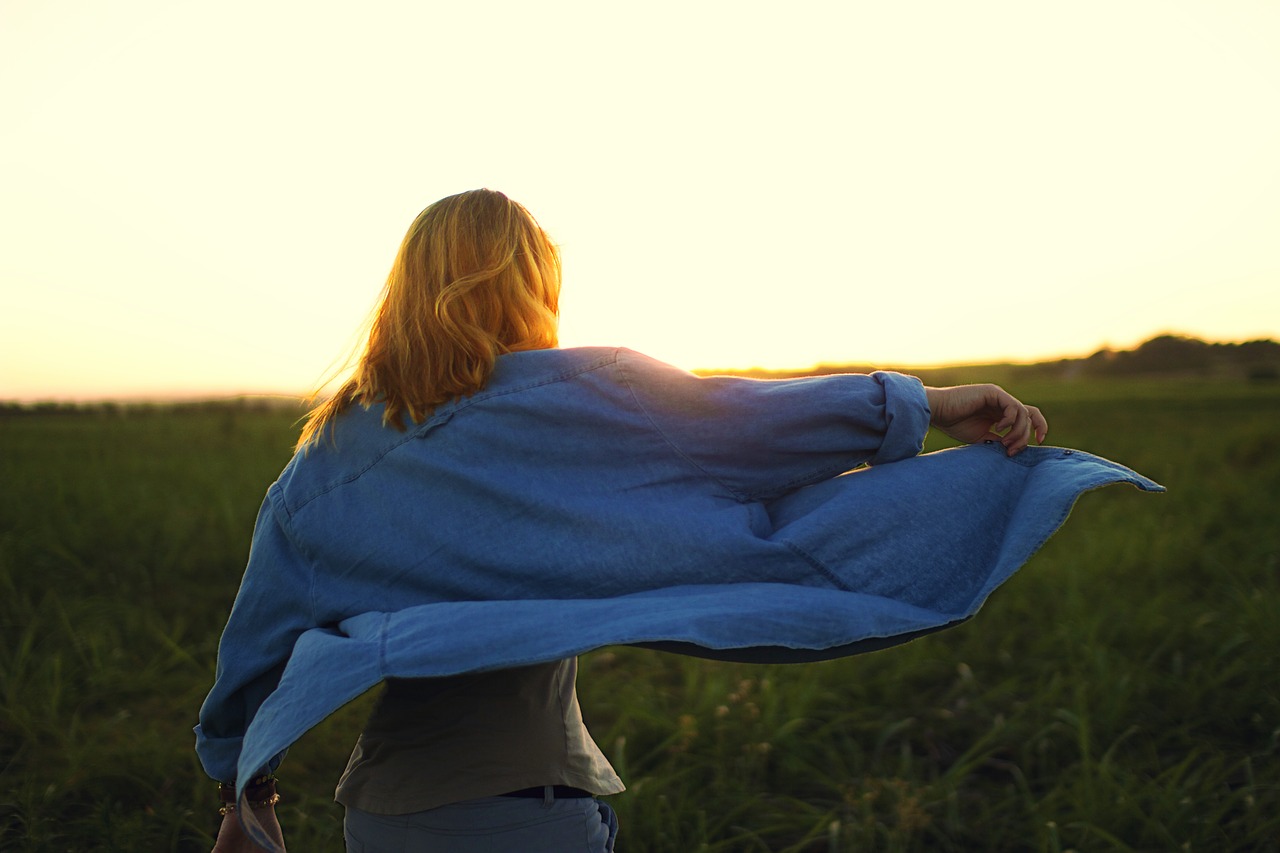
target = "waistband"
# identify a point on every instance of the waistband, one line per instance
(558, 792)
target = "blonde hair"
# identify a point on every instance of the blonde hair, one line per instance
(475, 277)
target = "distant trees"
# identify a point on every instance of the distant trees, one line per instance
(136, 409)
(1165, 355)
(1180, 355)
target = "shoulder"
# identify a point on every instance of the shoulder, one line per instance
(532, 367)
(356, 442)
(360, 441)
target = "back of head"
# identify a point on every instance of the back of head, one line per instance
(475, 277)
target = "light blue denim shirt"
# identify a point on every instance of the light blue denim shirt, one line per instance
(588, 497)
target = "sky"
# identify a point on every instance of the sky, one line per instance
(202, 199)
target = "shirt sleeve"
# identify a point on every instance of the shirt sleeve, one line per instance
(761, 438)
(271, 610)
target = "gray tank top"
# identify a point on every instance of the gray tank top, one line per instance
(434, 741)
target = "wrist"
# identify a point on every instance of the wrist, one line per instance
(259, 793)
(932, 401)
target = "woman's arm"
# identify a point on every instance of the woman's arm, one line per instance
(762, 438)
(272, 609)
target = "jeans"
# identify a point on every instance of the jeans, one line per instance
(488, 825)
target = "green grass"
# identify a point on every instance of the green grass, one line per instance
(1120, 693)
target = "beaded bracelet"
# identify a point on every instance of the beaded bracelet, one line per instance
(259, 793)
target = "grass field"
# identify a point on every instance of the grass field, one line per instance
(1120, 693)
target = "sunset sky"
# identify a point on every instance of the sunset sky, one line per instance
(204, 199)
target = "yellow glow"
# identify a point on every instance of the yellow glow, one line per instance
(208, 203)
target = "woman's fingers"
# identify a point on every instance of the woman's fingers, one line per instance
(1039, 424)
(1014, 424)
(1010, 410)
(1027, 421)
(1019, 433)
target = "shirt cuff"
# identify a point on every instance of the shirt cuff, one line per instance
(906, 417)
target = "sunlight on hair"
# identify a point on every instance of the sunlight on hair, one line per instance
(475, 277)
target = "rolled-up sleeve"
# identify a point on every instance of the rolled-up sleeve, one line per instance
(906, 417)
(271, 610)
(762, 438)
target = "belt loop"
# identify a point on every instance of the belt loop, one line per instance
(548, 796)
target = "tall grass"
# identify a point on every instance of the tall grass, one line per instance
(1120, 693)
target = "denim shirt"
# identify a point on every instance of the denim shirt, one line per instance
(588, 497)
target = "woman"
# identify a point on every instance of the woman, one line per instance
(476, 507)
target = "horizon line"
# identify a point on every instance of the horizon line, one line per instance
(173, 397)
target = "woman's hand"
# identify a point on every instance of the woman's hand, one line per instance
(973, 413)
(233, 839)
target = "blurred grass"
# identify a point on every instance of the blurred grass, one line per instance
(1120, 693)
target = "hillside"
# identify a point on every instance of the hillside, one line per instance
(1167, 356)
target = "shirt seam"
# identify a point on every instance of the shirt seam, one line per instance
(284, 518)
(737, 495)
(448, 410)
(817, 565)
(561, 375)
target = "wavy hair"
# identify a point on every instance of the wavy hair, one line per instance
(474, 278)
